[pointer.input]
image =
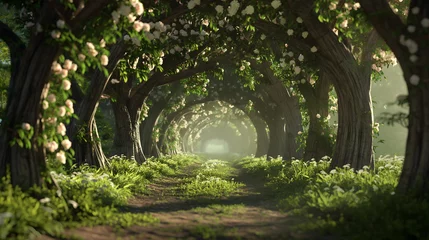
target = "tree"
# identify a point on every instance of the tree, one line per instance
(408, 41)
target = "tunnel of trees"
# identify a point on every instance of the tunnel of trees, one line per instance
(165, 77)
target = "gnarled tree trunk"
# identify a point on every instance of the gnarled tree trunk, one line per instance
(317, 144)
(24, 106)
(127, 132)
(277, 135)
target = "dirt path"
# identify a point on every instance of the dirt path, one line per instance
(249, 214)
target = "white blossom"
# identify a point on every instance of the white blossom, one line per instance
(66, 144)
(60, 23)
(304, 34)
(26, 126)
(414, 80)
(61, 157)
(219, 9)
(276, 4)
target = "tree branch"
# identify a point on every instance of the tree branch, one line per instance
(386, 22)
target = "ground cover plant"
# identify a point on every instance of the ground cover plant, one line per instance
(213, 179)
(86, 197)
(352, 203)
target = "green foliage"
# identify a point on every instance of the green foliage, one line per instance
(87, 197)
(212, 180)
(357, 204)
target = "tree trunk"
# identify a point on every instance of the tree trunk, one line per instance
(262, 141)
(317, 144)
(89, 150)
(24, 106)
(354, 136)
(277, 137)
(288, 105)
(86, 107)
(127, 132)
(148, 125)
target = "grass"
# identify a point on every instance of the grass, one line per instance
(353, 204)
(212, 180)
(87, 197)
(220, 209)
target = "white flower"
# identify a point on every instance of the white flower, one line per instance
(276, 4)
(45, 104)
(61, 129)
(69, 104)
(219, 9)
(137, 25)
(333, 171)
(263, 37)
(299, 20)
(51, 146)
(411, 28)
(242, 68)
(66, 144)
(289, 32)
(66, 84)
(425, 22)
(301, 57)
(138, 6)
(74, 67)
(131, 17)
(67, 64)
(56, 68)
(45, 200)
(62, 111)
(115, 17)
(64, 73)
(318, 115)
(29, 24)
(26, 126)
(313, 49)
(60, 23)
(248, 10)
(104, 60)
(233, 8)
(114, 81)
(73, 203)
(414, 80)
(61, 157)
(299, 132)
(414, 58)
(415, 10)
(297, 69)
(345, 23)
(332, 6)
(412, 46)
(191, 4)
(52, 98)
(81, 57)
(304, 34)
(55, 34)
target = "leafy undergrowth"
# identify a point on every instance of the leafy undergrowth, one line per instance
(212, 180)
(87, 197)
(354, 204)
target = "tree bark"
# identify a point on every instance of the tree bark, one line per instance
(277, 136)
(317, 143)
(354, 137)
(262, 141)
(415, 172)
(288, 105)
(86, 107)
(24, 106)
(127, 131)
